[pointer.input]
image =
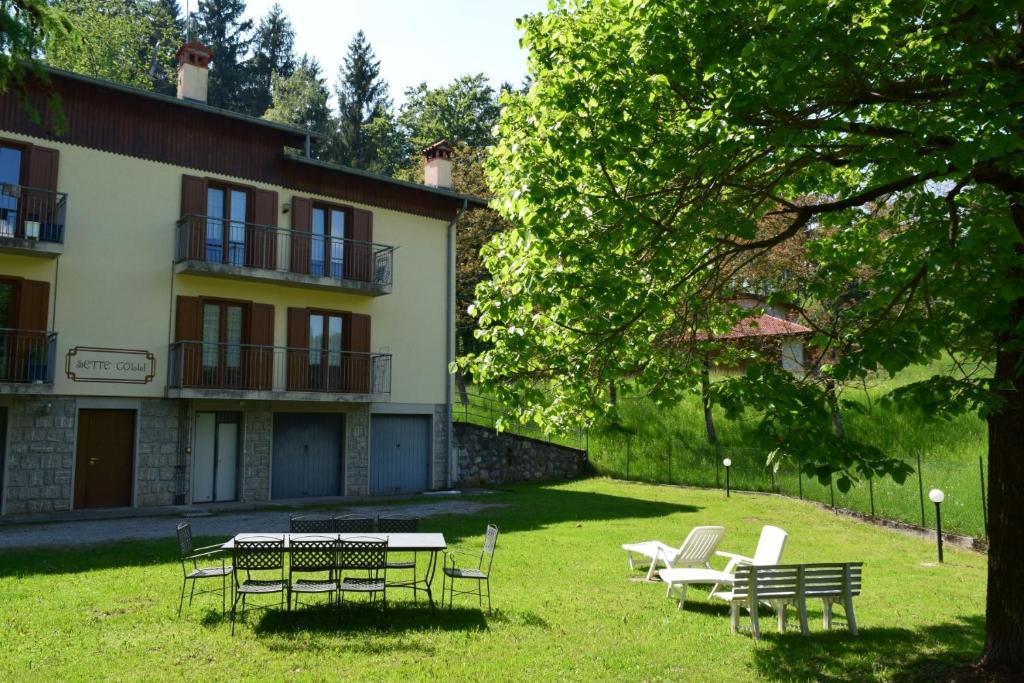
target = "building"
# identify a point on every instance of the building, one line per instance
(192, 310)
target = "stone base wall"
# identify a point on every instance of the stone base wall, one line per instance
(40, 455)
(489, 457)
(357, 450)
(439, 468)
(258, 425)
(155, 481)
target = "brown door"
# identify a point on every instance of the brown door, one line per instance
(103, 460)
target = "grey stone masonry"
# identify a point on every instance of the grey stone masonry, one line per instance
(489, 457)
(158, 425)
(357, 450)
(259, 433)
(40, 455)
(439, 469)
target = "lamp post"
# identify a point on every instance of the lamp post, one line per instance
(937, 496)
(728, 465)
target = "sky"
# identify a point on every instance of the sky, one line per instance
(417, 41)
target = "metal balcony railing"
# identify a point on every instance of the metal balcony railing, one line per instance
(27, 356)
(32, 213)
(249, 367)
(217, 240)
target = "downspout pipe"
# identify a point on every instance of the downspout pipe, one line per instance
(449, 334)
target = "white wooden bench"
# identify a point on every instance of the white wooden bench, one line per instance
(782, 585)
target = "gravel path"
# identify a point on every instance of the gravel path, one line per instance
(85, 532)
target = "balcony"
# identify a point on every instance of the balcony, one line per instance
(264, 253)
(31, 221)
(28, 359)
(246, 371)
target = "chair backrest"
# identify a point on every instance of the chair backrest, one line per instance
(823, 579)
(367, 553)
(313, 554)
(258, 553)
(184, 540)
(311, 524)
(397, 524)
(700, 545)
(490, 543)
(770, 546)
(354, 524)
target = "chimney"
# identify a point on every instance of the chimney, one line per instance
(193, 71)
(437, 167)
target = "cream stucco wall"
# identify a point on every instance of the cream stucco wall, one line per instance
(115, 283)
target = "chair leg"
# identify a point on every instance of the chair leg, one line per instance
(223, 592)
(234, 611)
(851, 620)
(734, 615)
(801, 608)
(755, 625)
(780, 612)
(826, 617)
(181, 600)
(682, 595)
(192, 593)
(488, 594)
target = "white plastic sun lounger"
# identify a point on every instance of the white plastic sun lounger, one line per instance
(696, 550)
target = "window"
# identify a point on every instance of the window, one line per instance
(10, 180)
(226, 210)
(222, 344)
(328, 247)
(325, 352)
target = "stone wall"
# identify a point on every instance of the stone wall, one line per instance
(158, 425)
(40, 455)
(489, 457)
(439, 468)
(357, 450)
(256, 443)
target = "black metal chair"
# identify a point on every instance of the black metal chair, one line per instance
(478, 573)
(265, 557)
(311, 524)
(354, 524)
(192, 571)
(399, 524)
(312, 555)
(362, 567)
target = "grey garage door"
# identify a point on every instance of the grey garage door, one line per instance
(307, 455)
(399, 454)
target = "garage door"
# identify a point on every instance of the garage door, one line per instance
(399, 454)
(307, 455)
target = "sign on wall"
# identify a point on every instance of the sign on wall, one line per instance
(115, 366)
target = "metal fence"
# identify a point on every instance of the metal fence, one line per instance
(472, 408)
(27, 356)
(32, 213)
(682, 461)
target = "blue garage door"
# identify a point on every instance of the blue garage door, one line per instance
(399, 454)
(307, 455)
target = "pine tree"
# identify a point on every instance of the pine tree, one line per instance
(273, 53)
(167, 21)
(362, 98)
(300, 99)
(218, 24)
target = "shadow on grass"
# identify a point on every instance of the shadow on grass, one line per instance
(898, 654)
(523, 508)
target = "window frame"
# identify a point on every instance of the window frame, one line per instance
(226, 222)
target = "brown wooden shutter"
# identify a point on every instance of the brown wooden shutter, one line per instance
(188, 331)
(261, 239)
(359, 253)
(192, 235)
(356, 340)
(261, 349)
(39, 203)
(33, 305)
(298, 349)
(302, 227)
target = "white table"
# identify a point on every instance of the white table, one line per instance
(432, 543)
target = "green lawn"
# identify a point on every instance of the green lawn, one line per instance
(564, 607)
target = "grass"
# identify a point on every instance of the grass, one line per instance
(564, 607)
(949, 449)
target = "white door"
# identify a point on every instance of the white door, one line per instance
(203, 453)
(227, 461)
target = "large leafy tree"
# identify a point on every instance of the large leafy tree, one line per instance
(659, 134)
(301, 99)
(362, 98)
(219, 25)
(129, 42)
(25, 27)
(462, 112)
(273, 53)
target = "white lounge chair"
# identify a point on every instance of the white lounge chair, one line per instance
(695, 550)
(769, 551)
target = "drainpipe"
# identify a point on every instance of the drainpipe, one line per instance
(308, 148)
(449, 337)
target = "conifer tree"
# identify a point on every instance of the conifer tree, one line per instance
(219, 25)
(362, 98)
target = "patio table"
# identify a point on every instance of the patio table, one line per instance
(431, 543)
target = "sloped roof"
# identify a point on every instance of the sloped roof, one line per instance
(764, 325)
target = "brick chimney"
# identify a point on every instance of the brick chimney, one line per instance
(193, 71)
(437, 165)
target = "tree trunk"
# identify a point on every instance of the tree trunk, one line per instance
(705, 397)
(1004, 620)
(460, 386)
(833, 402)
(613, 394)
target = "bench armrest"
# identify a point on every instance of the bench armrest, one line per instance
(734, 556)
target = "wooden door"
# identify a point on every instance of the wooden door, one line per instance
(103, 458)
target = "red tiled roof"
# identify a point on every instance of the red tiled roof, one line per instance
(764, 326)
